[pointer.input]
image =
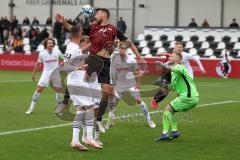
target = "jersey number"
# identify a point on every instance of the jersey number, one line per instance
(68, 56)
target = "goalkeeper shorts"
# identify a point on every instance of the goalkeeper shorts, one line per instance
(181, 104)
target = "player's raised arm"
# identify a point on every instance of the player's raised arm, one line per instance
(60, 18)
(196, 59)
(122, 37)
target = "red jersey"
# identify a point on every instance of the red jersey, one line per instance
(100, 35)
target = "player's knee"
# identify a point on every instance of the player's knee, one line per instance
(168, 108)
(139, 101)
(58, 89)
(39, 89)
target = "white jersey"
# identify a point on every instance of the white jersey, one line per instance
(225, 58)
(74, 54)
(186, 57)
(81, 92)
(122, 72)
(186, 62)
(50, 61)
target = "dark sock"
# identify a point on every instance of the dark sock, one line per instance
(159, 96)
(102, 108)
(66, 97)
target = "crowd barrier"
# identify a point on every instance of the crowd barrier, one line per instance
(213, 67)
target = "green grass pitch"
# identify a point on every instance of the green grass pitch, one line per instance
(212, 132)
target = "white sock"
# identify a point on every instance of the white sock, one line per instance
(112, 103)
(84, 130)
(58, 98)
(90, 132)
(75, 137)
(35, 98)
(89, 123)
(96, 135)
(96, 131)
(77, 124)
(145, 110)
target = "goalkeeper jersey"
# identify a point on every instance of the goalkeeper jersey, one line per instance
(182, 82)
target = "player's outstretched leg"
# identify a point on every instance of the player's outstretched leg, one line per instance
(106, 91)
(35, 98)
(77, 124)
(146, 113)
(158, 97)
(112, 103)
(62, 105)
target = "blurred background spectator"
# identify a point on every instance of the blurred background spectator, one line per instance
(49, 21)
(192, 23)
(205, 23)
(35, 22)
(26, 21)
(18, 44)
(234, 24)
(121, 25)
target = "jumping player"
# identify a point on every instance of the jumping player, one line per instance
(102, 36)
(50, 58)
(188, 96)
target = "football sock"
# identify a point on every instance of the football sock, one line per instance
(169, 120)
(35, 98)
(102, 108)
(77, 123)
(174, 123)
(159, 96)
(84, 130)
(89, 119)
(166, 121)
(58, 98)
(144, 109)
(112, 108)
(96, 130)
(66, 97)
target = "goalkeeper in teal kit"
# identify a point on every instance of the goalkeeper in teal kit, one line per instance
(188, 96)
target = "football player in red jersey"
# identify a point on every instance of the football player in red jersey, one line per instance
(102, 36)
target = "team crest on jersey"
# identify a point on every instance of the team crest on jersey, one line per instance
(220, 68)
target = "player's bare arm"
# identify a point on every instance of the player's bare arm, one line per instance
(60, 18)
(138, 76)
(86, 47)
(35, 69)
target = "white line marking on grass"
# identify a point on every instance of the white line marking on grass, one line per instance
(216, 103)
(68, 124)
(15, 81)
(34, 129)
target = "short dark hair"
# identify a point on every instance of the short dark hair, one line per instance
(45, 41)
(74, 31)
(104, 10)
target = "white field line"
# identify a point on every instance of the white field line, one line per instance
(16, 81)
(68, 124)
